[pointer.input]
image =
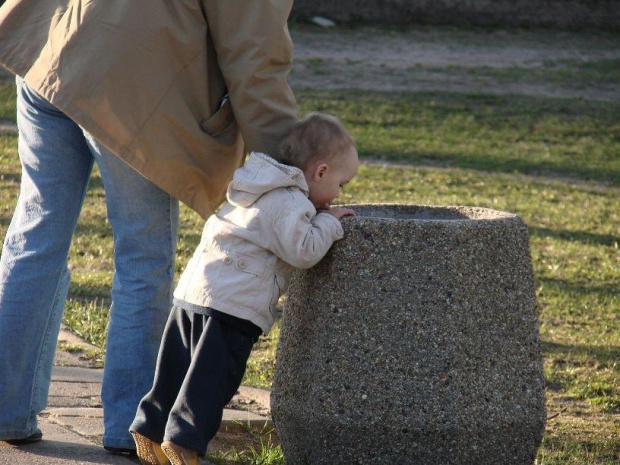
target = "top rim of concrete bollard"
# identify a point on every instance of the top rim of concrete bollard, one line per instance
(426, 213)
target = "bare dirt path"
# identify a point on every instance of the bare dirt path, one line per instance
(536, 63)
(523, 62)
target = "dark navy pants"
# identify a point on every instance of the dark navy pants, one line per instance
(201, 363)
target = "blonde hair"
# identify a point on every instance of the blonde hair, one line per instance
(318, 136)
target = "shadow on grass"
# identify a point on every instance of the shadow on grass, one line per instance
(581, 236)
(562, 286)
(11, 178)
(581, 351)
(489, 164)
(89, 293)
(93, 226)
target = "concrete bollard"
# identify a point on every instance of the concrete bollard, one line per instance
(414, 341)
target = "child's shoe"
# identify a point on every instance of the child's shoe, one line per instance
(149, 452)
(179, 455)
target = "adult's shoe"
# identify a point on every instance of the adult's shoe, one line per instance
(34, 437)
(129, 453)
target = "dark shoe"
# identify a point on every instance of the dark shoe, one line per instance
(129, 453)
(34, 437)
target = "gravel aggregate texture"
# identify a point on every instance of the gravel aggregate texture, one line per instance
(415, 340)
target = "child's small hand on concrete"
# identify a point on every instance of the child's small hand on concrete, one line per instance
(337, 212)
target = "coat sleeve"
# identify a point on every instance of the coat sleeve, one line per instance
(302, 237)
(254, 51)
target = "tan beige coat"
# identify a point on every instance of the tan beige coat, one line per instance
(147, 78)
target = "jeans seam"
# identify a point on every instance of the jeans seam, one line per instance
(48, 326)
(45, 340)
(42, 348)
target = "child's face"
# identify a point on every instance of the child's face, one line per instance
(325, 180)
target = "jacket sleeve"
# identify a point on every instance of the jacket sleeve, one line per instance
(254, 51)
(302, 238)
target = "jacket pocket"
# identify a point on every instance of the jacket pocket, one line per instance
(222, 126)
(246, 265)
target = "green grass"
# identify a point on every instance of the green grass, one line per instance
(260, 367)
(7, 100)
(88, 319)
(509, 134)
(466, 150)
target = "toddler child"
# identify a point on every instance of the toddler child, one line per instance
(277, 217)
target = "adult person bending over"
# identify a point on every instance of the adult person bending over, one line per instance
(176, 90)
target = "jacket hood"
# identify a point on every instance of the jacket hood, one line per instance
(262, 174)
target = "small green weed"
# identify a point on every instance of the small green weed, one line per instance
(88, 319)
(263, 451)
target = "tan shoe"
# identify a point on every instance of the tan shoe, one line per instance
(179, 455)
(149, 452)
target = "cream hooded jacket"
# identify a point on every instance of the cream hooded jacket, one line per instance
(249, 249)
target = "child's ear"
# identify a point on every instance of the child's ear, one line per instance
(320, 171)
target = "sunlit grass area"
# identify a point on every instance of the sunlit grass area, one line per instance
(509, 134)
(554, 162)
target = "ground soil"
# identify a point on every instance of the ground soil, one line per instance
(452, 59)
(448, 59)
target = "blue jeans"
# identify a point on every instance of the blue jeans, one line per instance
(57, 157)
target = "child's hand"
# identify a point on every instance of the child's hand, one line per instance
(337, 212)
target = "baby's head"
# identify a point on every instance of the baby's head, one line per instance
(323, 149)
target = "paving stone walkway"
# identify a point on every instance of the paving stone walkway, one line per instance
(72, 423)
